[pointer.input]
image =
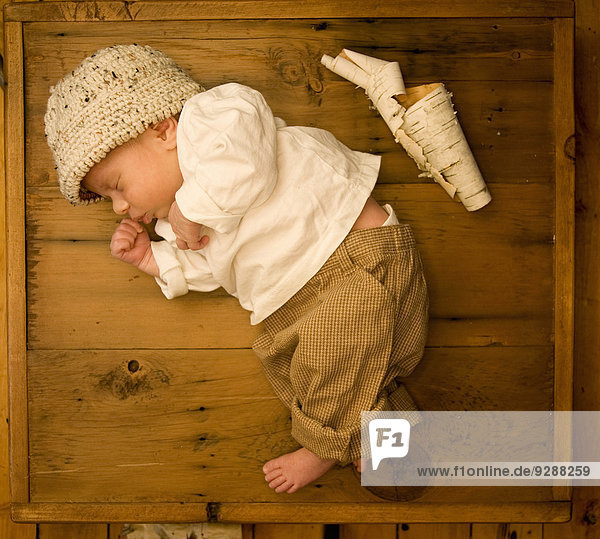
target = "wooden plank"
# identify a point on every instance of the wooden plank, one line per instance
(565, 212)
(519, 215)
(89, 414)
(584, 518)
(291, 512)
(247, 531)
(256, 50)
(80, 531)
(510, 283)
(11, 530)
(280, 9)
(516, 221)
(488, 531)
(530, 531)
(512, 143)
(507, 531)
(189, 418)
(289, 531)
(509, 124)
(586, 511)
(114, 531)
(392, 513)
(564, 257)
(434, 531)
(98, 307)
(7, 528)
(367, 531)
(494, 378)
(533, 331)
(16, 264)
(544, 325)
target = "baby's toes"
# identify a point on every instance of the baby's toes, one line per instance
(276, 482)
(293, 488)
(272, 475)
(271, 465)
(284, 486)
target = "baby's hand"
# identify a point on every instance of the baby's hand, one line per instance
(188, 233)
(130, 243)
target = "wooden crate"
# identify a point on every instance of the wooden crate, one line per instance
(183, 436)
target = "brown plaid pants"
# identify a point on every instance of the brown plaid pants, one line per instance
(335, 348)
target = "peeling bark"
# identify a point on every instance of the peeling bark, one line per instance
(427, 129)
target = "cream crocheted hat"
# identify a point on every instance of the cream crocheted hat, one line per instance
(110, 98)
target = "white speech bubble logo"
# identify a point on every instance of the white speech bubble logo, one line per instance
(388, 438)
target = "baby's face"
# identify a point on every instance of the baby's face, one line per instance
(141, 177)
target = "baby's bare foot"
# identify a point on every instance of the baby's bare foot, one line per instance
(292, 471)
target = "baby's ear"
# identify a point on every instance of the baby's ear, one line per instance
(166, 131)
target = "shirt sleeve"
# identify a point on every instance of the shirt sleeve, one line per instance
(227, 150)
(180, 271)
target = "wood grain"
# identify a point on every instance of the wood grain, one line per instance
(585, 520)
(502, 85)
(564, 257)
(171, 429)
(15, 220)
(79, 531)
(392, 513)
(491, 274)
(97, 298)
(507, 531)
(305, 512)
(515, 264)
(434, 531)
(7, 528)
(260, 9)
(289, 531)
(366, 531)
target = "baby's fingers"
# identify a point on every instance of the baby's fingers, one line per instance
(124, 234)
(192, 243)
(181, 244)
(130, 224)
(199, 244)
(121, 245)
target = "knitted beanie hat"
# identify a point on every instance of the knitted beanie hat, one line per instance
(111, 97)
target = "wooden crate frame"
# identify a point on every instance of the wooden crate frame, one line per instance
(17, 14)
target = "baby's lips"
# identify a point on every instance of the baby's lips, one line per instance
(147, 219)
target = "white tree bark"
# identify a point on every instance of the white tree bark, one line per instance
(428, 129)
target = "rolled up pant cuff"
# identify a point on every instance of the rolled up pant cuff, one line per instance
(325, 442)
(344, 444)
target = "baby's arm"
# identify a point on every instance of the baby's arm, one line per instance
(189, 233)
(130, 243)
(176, 271)
(227, 151)
(180, 270)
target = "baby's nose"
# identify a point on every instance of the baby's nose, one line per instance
(120, 207)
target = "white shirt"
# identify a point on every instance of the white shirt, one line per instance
(278, 200)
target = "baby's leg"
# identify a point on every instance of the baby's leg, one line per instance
(332, 351)
(336, 372)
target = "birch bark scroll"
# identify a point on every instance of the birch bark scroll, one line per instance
(422, 120)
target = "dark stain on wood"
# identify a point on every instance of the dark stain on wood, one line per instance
(203, 441)
(122, 383)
